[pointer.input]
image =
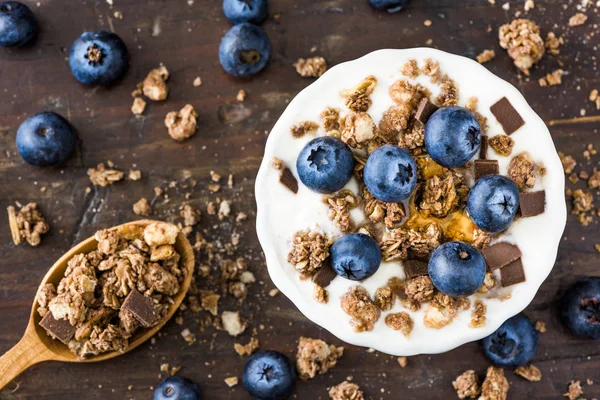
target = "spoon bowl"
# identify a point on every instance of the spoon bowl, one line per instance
(36, 346)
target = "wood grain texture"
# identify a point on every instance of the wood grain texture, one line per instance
(230, 139)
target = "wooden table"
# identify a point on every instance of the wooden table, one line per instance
(230, 139)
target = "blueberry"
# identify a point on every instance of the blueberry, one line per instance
(98, 58)
(513, 344)
(493, 202)
(269, 375)
(325, 164)
(17, 24)
(238, 11)
(391, 6)
(580, 308)
(46, 139)
(177, 388)
(452, 136)
(355, 256)
(390, 174)
(457, 269)
(245, 50)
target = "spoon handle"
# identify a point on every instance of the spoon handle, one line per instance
(29, 351)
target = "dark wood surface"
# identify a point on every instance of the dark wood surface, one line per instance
(230, 139)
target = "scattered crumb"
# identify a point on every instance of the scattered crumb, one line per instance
(102, 176)
(522, 40)
(142, 207)
(241, 96)
(181, 124)
(574, 391)
(553, 43)
(197, 82)
(154, 85)
(427, 22)
(346, 391)
(552, 79)
(233, 323)
(467, 385)
(231, 381)
(277, 163)
(314, 356)
(486, 56)
(403, 361)
(311, 67)
(595, 98)
(577, 19)
(495, 386)
(139, 105)
(134, 175)
(530, 372)
(540, 326)
(247, 349)
(27, 224)
(304, 128)
(273, 292)
(529, 5)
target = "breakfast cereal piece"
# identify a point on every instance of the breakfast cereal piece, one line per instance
(190, 215)
(411, 69)
(577, 19)
(568, 162)
(594, 180)
(401, 322)
(431, 68)
(358, 99)
(419, 289)
(359, 129)
(209, 301)
(574, 391)
(467, 385)
(385, 298)
(340, 205)
(138, 106)
(553, 43)
(233, 323)
(486, 56)
(158, 233)
(27, 224)
(102, 176)
(495, 386)
(43, 298)
(522, 40)
(311, 67)
(330, 118)
(522, 171)
(391, 214)
(154, 85)
(582, 203)
(398, 243)
(310, 248)
(142, 207)
(102, 340)
(439, 196)
(478, 315)
(448, 92)
(248, 348)
(181, 124)
(357, 303)
(502, 144)
(403, 92)
(314, 356)
(320, 294)
(346, 391)
(530, 372)
(552, 79)
(540, 326)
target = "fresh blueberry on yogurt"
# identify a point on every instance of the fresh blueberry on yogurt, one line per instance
(452, 136)
(390, 174)
(493, 202)
(513, 344)
(391, 6)
(177, 388)
(325, 164)
(18, 25)
(580, 308)
(238, 11)
(269, 375)
(457, 269)
(45, 139)
(245, 50)
(98, 58)
(355, 256)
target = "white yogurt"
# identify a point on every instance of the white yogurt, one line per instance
(282, 213)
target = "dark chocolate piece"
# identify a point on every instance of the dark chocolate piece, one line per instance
(414, 268)
(425, 110)
(507, 116)
(512, 274)
(484, 147)
(289, 180)
(532, 203)
(500, 254)
(486, 167)
(324, 275)
(141, 307)
(60, 329)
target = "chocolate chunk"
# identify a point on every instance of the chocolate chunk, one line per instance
(60, 329)
(507, 116)
(324, 275)
(532, 203)
(486, 167)
(484, 147)
(500, 254)
(141, 307)
(289, 180)
(424, 111)
(512, 274)
(414, 268)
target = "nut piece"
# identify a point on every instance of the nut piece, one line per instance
(467, 385)
(314, 356)
(158, 233)
(346, 391)
(182, 124)
(522, 40)
(357, 304)
(311, 67)
(155, 86)
(495, 386)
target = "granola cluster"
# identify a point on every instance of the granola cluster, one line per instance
(310, 249)
(181, 124)
(311, 67)
(314, 356)
(523, 41)
(27, 224)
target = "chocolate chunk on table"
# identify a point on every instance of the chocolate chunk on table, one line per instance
(512, 274)
(532, 203)
(424, 111)
(324, 275)
(414, 268)
(483, 148)
(60, 329)
(500, 255)
(289, 180)
(507, 116)
(486, 167)
(141, 307)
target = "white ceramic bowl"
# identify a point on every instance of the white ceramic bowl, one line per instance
(281, 213)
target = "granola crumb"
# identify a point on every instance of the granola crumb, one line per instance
(478, 315)
(401, 322)
(241, 95)
(138, 106)
(340, 205)
(391, 214)
(142, 207)
(277, 163)
(273, 292)
(181, 124)
(233, 323)
(495, 386)
(502, 144)
(398, 243)
(594, 180)
(357, 303)
(27, 224)
(310, 248)
(359, 130)
(552, 79)
(102, 176)
(134, 175)
(197, 82)
(467, 385)
(582, 203)
(304, 128)
(188, 336)
(314, 356)
(448, 92)
(358, 99)
(486, 56)
(385, 298)
(577, 19)
(330, 117)
(403, 361)
(311, 67)
(248, 348)
(522, 40)
(540, 326)
(346, 391)
(568, 162)
(522, 171)
(320, 294)
(439, 196)
(553, 43)
(530, 372)
(154, 86)
(231, 381)
(529, 5)
(574, 391)
(224, 210)
(411, 69)
(419, 289)
(431, 68)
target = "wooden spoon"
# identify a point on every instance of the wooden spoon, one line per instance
(36, 346)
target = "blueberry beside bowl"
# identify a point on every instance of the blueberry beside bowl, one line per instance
(18, 25)
(580, 308)
(244, 50)
(98, 58)
(177, 388)
(269, 375)
(239, 11)
(513, 344)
